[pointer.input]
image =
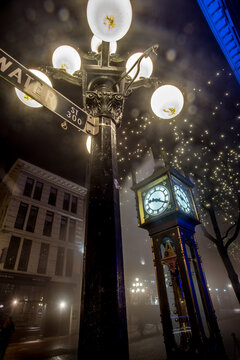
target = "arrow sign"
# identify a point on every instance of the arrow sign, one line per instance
(23, 79)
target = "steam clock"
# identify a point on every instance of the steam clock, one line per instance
(166, 208)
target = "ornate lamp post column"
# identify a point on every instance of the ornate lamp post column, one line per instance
(103, 326)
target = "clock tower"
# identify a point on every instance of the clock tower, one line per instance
(166, 209)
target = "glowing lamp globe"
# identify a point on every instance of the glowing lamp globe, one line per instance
(96, 42)
(67, 58)
(146, 66)
(167, 102)
(109, 20)
(26, 99)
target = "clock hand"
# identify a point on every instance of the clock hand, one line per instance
(182, 198)
(156, 200)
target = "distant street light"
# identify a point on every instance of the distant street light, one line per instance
(62, 305)
(105, 83)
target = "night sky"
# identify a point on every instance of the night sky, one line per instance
(188, 57)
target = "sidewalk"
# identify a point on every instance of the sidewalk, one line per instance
(59, 348)
(150, 345)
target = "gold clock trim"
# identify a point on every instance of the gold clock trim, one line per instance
(144, 189)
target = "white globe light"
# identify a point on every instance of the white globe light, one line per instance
(89, 143)
(26, 99)
(67, 58)
(146, 66)
(167, 101)
(109, 20)
(96, 42)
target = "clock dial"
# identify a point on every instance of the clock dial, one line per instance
(156, 200)
(182, 199)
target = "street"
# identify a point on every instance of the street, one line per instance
(149, 345)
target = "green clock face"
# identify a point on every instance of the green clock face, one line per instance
(182, 199)
(156, 200)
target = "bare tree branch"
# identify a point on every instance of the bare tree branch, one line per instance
(228, 231)
(208, 235)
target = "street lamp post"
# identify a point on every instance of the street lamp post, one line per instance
(103, 329)
(105, 85)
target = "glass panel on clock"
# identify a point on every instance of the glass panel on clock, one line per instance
(176, 299)
(183, 197)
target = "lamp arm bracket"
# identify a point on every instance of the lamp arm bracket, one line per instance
(61, 74)
(137, 63)
(143, 82)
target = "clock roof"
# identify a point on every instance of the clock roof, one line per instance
(158, 172)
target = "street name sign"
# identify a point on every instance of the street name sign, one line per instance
(23, 79)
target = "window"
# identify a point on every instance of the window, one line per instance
(32, 218)
(74, 204)
(25, 253)
(60, 261)
(66, 201)
(21, 216)
(72, 230)
(28, 187)
(38, 191)
(52, 196)
(12, 252)
(63, 228)
(43, 258)
(47, 230)
(69, 263)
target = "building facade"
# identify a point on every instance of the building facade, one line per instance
(42, 219)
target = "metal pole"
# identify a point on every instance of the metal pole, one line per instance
(103, 324)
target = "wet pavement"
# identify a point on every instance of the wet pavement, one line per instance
(148, 345)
